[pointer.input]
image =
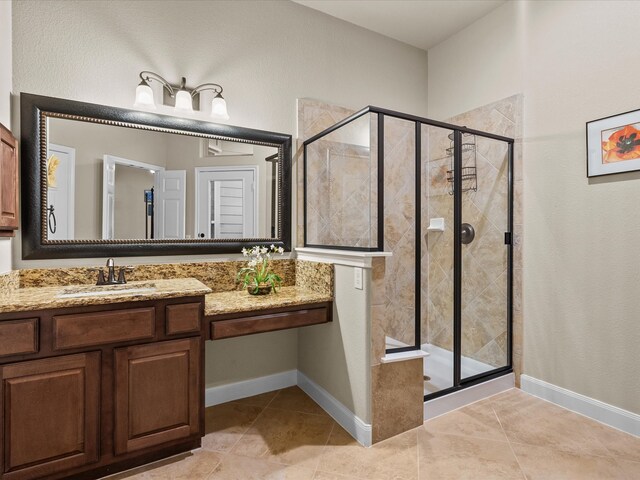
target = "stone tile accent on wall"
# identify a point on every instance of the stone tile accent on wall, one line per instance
(378, 300)
(397, 403)
(399, 229)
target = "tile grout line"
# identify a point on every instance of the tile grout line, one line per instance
(418, 449)
(323, 414)
(595, 437)
(315, 471)
(252, 423)
(524, 475)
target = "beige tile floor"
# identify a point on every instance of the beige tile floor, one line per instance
(284, 435)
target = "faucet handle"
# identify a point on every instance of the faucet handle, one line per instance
(121, 277)
(101, 280)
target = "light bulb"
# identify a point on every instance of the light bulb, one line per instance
(183, 101)
(144, 96)
(219, 107)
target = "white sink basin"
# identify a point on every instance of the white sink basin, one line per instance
(106, 290)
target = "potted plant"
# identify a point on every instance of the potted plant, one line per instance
(257, 277)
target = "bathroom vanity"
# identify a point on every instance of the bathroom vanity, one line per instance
(99, 379)
(91, 389)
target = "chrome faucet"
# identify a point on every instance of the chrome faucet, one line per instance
(111, 274)
(111, 277)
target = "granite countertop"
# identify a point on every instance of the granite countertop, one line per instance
(41, 298)
(241, 301)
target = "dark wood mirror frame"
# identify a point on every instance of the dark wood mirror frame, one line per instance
(34, 110)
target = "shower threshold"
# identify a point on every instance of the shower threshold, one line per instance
(438, 367)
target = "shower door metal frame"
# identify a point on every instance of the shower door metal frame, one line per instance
(458, 382)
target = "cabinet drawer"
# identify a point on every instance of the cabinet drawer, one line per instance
(235, 327)
(96, 328)
(183, 318)
(19, 337)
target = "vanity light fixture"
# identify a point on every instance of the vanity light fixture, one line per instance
(183, 97)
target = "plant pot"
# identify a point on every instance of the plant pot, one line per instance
(261, 289)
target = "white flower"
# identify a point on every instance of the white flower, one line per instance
(280, 250)
(268, 255)
(273, 247)
(253, 263)
(264, 250)
(244, 252)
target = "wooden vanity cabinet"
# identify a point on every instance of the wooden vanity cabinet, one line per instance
(83, 399)
(157, 389)
(8, 183)
(50, 413)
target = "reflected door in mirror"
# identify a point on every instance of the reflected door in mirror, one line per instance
(226, 202)
(61, 167)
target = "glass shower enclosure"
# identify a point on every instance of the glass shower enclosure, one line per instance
(438, 197)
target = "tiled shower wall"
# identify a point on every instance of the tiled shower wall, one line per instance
(340, 201)
(399, 229)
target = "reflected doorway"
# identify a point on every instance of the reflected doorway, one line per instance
(226, 202)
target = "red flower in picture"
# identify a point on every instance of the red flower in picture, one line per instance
(623, 144)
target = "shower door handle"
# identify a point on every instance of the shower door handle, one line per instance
(467, 233)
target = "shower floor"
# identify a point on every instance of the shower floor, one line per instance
(438, 366)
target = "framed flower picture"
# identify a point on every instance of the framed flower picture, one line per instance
(613, 144)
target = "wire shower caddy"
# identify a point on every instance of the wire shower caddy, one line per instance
(469, 171)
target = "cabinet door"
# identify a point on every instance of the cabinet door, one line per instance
(50, 415)
(157, 393)
(8, 183)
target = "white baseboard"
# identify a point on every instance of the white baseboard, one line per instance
(453, 401)
(589, 407)
(348, 420)
(358, 429)
(248, 388)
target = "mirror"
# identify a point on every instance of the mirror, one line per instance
(104, 181)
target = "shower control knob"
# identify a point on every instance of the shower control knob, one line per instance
(467, 233)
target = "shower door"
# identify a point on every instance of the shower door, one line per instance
(466, 270)
(482, 238)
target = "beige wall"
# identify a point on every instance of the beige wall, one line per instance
(130, 208)
(479, 65)
(265, 54)
(5, 111)
(243, 358)
(580, 267)
(336, 355)
(92, 141)
(285, 51)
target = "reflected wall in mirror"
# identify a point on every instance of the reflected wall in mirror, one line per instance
(107, 181)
